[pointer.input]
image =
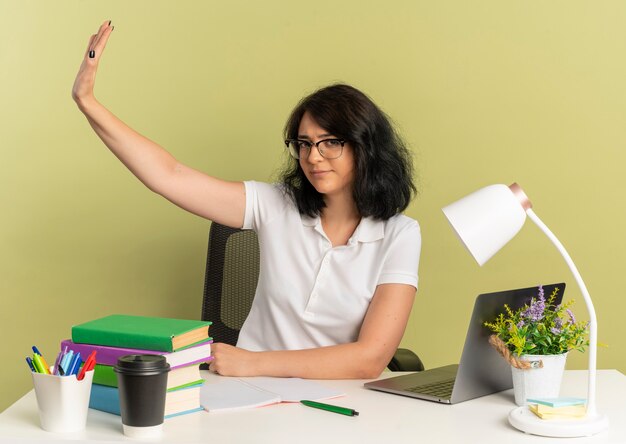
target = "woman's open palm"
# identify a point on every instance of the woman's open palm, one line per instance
(86, 77)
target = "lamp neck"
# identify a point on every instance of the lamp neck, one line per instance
(593, 323)
(521, 196)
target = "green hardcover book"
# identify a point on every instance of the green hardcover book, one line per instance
(104, 375)
(149, 333)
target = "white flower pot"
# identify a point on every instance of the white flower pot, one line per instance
(542, 382)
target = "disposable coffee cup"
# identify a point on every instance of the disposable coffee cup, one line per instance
(62, 401)
(142, 384)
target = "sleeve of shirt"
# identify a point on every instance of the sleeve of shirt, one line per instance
(263, 202)
(402, 258)
(251, 205)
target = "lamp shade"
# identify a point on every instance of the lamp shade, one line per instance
(487, 219)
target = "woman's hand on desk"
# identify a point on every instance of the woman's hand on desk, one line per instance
(232, 361)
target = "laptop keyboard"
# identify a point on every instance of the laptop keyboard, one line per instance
(442, 389)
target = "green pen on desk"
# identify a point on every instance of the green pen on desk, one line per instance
(331, 408)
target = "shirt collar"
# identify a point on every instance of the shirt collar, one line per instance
(368, 230)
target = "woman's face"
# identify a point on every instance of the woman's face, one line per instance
(329, 176)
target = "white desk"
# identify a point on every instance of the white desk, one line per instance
(383, 418)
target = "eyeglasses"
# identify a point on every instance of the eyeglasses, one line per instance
(328, 148)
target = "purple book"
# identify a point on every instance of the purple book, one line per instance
(105, 355)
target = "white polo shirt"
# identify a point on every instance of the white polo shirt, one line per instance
(310, 294)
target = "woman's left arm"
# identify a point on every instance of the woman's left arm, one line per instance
(379, 337)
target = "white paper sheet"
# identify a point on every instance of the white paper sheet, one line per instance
(234, 394)
(294, 389)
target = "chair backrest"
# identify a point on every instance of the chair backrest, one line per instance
(232, 273)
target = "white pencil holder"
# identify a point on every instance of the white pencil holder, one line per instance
(63, 401)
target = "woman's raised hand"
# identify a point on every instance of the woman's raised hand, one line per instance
(86, 78)
(206, 196)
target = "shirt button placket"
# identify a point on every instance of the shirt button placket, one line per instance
(320, 276)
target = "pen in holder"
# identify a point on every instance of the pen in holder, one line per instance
(63, 401)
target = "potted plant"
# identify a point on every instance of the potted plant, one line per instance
(535, 339)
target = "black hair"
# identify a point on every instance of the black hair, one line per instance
(383, 183)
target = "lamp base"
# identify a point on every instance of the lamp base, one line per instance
(523, 419)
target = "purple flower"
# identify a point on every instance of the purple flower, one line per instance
(571, 315)
(555, 330)
(520, 324)
(534, 313)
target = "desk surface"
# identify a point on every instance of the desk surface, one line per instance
(383, 417)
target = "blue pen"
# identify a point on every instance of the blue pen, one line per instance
(30, 364)
(66, 360)
(77, 363)
(72, 364)
(77, 367)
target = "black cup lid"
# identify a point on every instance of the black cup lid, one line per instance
(142, 363)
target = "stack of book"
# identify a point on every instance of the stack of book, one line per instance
(558, 408)
(185, 344)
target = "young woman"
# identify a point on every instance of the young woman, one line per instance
(339, 262)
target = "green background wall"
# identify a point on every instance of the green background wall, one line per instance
(483, 91)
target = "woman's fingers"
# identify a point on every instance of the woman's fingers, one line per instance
(98, 44)
(101, 30)
(91, 40)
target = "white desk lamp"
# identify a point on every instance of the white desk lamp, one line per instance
(485, 221)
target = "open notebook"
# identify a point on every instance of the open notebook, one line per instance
(235, 394)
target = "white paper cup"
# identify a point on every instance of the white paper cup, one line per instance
(63, 401)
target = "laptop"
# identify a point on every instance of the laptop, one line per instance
(481, 371)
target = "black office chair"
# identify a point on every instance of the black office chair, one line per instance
(232, 273)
